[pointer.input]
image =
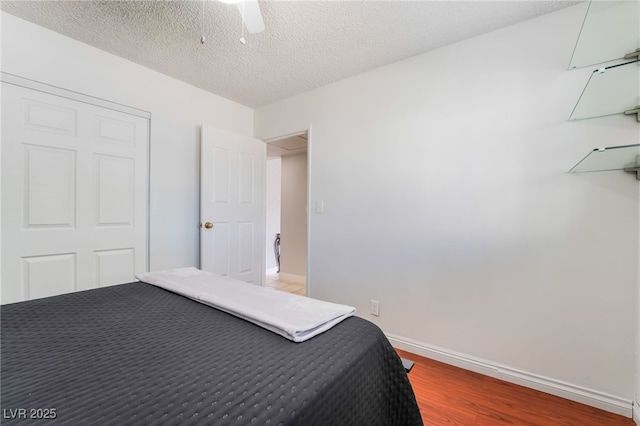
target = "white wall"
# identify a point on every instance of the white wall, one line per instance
(447, 198)
(177, 111)
(274, 190)
(293, 220)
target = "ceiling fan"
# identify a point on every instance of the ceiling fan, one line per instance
(250, 13)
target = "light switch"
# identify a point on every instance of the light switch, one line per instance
(319, 207)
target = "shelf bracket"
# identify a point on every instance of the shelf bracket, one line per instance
(633, 55)
(635, 111)
(634, 169)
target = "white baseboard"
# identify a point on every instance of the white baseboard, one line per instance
(565, 390)
(272, 271)
(291, 278)
(636, 412)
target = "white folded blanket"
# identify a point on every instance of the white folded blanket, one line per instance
(295, 317)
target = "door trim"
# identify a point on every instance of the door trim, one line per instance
(17, 80)
(308, 132)
(309, 162)
(69, 94)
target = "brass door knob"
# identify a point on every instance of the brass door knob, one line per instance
(208, 225)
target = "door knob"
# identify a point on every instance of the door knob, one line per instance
(208, 225)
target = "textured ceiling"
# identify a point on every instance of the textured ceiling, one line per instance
(306, 44)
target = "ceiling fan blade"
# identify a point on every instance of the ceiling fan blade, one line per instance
(252, 15)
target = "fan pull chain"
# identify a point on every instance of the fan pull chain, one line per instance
(242, 39)
(202, 39)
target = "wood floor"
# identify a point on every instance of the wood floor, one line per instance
(450, 396)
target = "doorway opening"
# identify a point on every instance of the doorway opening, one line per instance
(287, 212)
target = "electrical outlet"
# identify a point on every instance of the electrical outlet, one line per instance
(374, 308)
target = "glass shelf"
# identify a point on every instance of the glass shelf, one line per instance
(612, 158)
(609, 32)
(610, 90)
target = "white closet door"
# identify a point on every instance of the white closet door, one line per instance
(74, 195)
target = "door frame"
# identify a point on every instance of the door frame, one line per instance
(17, 80)
(308, 131)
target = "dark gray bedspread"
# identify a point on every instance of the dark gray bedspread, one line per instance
(137, 354)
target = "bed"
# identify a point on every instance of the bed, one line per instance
(138, 354)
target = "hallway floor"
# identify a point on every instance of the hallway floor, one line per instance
(273, 281)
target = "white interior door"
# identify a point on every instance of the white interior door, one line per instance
(232, 187)
(74, 195)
